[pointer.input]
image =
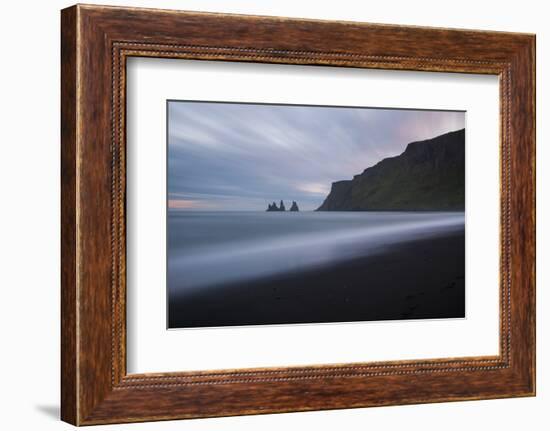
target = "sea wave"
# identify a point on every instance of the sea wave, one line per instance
(278, 247)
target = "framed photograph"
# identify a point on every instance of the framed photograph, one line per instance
(263, 214)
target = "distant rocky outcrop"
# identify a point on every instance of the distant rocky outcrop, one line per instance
(428, 175)
(273, 207)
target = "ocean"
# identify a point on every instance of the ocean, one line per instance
(207, 250)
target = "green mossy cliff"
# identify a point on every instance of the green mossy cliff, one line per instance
(427, 176)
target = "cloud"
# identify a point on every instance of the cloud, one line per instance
(242, 156)
(184, 204)
(314, 188)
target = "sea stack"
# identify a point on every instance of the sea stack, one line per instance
(272, 207)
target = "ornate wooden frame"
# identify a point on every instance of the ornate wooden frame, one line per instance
(95, 42)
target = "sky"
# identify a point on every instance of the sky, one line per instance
(237, 156)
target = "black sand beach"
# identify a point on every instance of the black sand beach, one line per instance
(422, 279)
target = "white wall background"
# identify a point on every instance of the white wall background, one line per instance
(29, 226)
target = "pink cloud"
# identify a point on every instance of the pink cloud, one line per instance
(183, 204)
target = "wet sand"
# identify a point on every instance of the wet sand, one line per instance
(422, 279)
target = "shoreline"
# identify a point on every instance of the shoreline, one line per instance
(420, 279)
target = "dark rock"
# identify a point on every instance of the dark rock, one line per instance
(428, 175)
(281, 207)
(272, 207)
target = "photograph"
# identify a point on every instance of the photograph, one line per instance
(300, 214)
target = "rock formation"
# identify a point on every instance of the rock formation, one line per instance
(428, 175)
(273, 207)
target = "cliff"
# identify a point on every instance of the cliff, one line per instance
(428, 175)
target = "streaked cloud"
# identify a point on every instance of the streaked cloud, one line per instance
(184, 204)
(242, 156)
(314, 188)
